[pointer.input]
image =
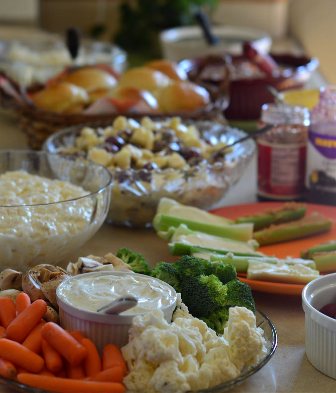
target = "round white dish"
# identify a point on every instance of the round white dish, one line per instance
(320, 329)
(188, 42)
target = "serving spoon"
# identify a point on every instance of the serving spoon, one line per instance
(253, 135)
(119, 305)
(204, 23)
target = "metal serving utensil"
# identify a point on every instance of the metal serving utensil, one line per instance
(253, 135)
(119, 305)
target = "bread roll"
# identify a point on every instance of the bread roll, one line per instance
(169, 68)
(144, 78)
(135, 95)
(91, 79)
(62, 98)
(182, 96)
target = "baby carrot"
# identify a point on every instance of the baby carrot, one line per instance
(66, 385)
(113, 374)
(52, 358)
(112, 357)
(75, 372)
(22, 302)
(44, 372)
(77, 335)
(92, 362)
(7, 311)
(25, 322)
(2, 332)
(34, 339)
(73, 351)
(7, 369)
(20, 355)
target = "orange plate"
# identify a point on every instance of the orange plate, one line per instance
(282, 250)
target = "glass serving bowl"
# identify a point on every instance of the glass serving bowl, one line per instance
(43, 231)
(262, 321)
(136, 192)
(35, 61)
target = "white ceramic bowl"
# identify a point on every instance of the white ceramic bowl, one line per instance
(320, 329)
(102, 328)
(188, 42)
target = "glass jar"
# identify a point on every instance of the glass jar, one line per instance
(321, 150)
(282, 152)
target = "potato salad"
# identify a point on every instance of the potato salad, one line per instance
(32, 225)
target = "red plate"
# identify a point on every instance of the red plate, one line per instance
(282, 250)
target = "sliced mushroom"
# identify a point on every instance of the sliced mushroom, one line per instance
(41, 281)
(51, 315)
(93, 263)
(118, 263)
(10, 279)
(11, 293)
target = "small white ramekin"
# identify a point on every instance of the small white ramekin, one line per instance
(102, 328)
(320, 329)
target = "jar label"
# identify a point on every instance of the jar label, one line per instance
(321, 162)
(324, 144)
(281, 170)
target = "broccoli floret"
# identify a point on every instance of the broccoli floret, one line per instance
(167, 272)
(203, 295)
(224, 271)
(217, 320)
(190, 266)
(135, 260)
(239, 294)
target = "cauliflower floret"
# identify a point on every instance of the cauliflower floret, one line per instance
(142, 322)
(217, 368)
(190, 368)
(246, 342)
(190, 341)
(157, 346)
(181, 310)
(167, 378)
(138, 380)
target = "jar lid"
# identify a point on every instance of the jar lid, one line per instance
(325, 110)
(285, 114)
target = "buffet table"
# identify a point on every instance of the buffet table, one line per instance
(289, 370)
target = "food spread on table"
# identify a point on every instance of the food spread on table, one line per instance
(118, 322)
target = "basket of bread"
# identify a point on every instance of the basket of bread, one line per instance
(96, 93)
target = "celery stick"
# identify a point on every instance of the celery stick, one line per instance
(170, 207)
(241, 263)
(289, 212)
(242, 232)
(182, 248)
(325, 261)
(330, 246)
(307, 226)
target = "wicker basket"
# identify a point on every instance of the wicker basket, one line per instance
(38, 125)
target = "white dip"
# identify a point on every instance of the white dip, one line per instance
(33, 228)
(91, 292)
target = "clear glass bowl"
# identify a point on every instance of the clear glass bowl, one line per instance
(136, 192)
(50, 232)
(36, 61)
(262, 321)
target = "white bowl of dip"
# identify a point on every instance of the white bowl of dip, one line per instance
(79, 297)
(320, 336)
(188, 42)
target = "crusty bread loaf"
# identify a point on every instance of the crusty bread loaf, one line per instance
(169, 68)
(182, 96)
(91, 79)
(144, 78)
(62, 97)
